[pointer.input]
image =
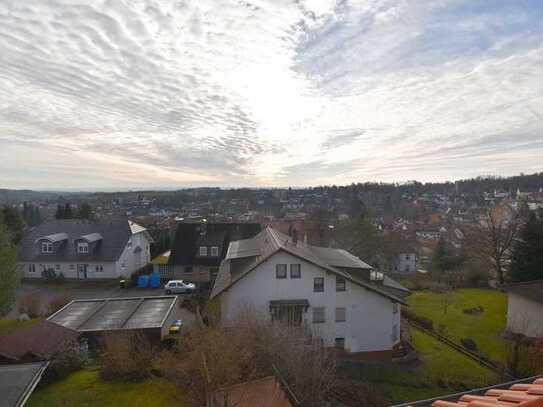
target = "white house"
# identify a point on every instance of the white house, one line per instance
(85, 249)
(406, 263)
(330, 291)
(525, 308)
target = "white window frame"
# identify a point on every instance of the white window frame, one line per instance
(214, 251)
(296, 267)
(32, 268)
(203, 251)
(47, 247)
(81, 245)
(319, 315)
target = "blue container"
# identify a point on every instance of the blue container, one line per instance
(143, 281)
(154, 280)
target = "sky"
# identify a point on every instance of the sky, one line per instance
(177, 93)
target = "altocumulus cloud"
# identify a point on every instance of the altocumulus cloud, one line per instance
(154, 93)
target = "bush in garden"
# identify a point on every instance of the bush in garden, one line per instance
(469, 343)
(67, 360)
(426, 323)
(31, 305)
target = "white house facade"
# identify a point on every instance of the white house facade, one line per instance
(326, 290)
(84, 249)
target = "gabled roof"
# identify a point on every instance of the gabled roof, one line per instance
(532, 290)
(17, 382)
(245, 256)
(110, 236)
(40, 340)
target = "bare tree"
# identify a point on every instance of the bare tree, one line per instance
(492, 240)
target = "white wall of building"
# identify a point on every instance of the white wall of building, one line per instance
(129, 262)
(524, 316)
(370, 317)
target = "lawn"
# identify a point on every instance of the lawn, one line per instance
(9, 325)
(85, 388)
(484, 329)
(441, 371)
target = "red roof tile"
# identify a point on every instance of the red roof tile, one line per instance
(40, 340)
(518, 395)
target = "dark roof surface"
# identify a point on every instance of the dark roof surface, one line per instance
(190, 236)
(115, 313)
(532, 290)
(246, 255)
(40, 340)
(114, 233)
(18, 381)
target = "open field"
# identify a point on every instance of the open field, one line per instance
(440, 371)
(85, 388)
(485, 329)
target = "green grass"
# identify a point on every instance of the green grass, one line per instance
(85, 388)
(9, 325)
(484, 329)
(440, 371)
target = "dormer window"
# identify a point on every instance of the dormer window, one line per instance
(46, 247)
(214, 251)
(82, 247)
(203, 251)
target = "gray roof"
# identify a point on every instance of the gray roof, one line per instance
(18, 381)
(108, 239)
(115, 313)
(246, 255)
(532, 290)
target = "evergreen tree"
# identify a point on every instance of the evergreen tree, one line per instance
(14, 223)
(60, 212)
(85, 211)
(8, 273)
(68, 213)
(527, 258)
(439, 262)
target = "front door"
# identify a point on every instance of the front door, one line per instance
(81, 271)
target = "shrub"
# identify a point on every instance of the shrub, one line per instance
(426, 323)
(57, 303)
(62, 363)
(127, 355)
(469, 343)
(31, 304)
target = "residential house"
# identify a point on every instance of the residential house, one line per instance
(85, 249)
(405, 263)
(334, 294)
(199, 247)
(525, 308)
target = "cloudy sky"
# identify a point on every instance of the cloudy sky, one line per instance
(112, 94)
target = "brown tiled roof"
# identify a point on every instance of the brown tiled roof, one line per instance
(266, 392)
(518, 395)
(40, 340)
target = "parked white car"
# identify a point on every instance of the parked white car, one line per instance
(178, 287)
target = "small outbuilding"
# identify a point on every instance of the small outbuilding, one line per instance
(93, 318)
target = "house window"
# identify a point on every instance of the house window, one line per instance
(339, 343)
(295, 271)
(341, 314)
(123, 265)
(407, 257)
(280, 271)
(32, 268)
(72, 266)
(57, 267)
(46, 247)
(214, 251)
(318, 284)
(99, 268)
(188, 269)
(82, 247)
(395, 307)
(340, 284)
(203, 250)
(318, 315)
